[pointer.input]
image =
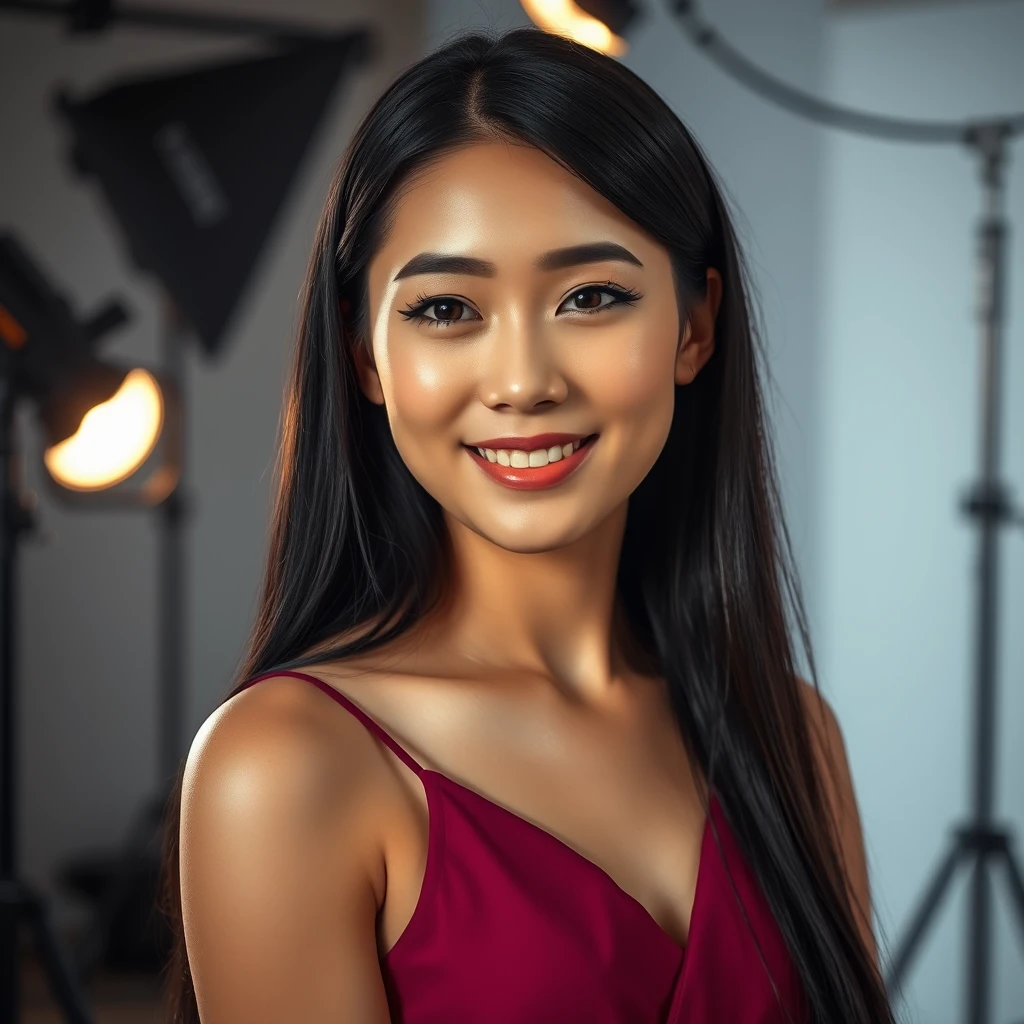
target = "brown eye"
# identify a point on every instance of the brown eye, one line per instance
(588, 300)
(443, 310)
(594, 293)
(446, 311)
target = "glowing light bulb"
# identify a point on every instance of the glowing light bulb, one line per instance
(563, 17)
(114, 439)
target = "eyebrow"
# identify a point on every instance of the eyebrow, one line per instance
(556, 259)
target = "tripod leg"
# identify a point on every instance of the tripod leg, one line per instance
(10, 964)
(1016, 885)
(926, 909)
(145, 832)
(62, 980)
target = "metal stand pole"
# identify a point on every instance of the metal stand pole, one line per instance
(18, 902)
(173, 514)
(979, 843)
(141, 849)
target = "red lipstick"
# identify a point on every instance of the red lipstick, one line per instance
(533, 478)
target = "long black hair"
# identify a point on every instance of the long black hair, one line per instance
(358, 548)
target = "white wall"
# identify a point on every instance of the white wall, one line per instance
(88, 597)
(899, 406)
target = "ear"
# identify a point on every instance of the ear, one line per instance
(366, 371)
(697, 342)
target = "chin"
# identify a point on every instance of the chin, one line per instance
(525, 540)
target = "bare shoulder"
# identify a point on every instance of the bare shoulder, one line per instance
(834, 769)
(283, 739)
(279, 847)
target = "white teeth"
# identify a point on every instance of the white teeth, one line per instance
(519, 459)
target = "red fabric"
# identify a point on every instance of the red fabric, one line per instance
(513, 926)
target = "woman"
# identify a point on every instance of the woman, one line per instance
(554, 762)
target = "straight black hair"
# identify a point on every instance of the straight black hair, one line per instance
(358, 548)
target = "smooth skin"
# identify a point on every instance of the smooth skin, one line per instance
(303, 839)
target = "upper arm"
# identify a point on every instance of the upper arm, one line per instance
(830, 753)
(278, 904)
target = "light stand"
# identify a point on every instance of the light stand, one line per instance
(19, 904)
(137, 864)
(978, 843)
(45, 356)
(86, 407)
(979, 839)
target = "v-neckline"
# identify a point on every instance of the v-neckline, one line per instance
(613, 886)
(601, 872)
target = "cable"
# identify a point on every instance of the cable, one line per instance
(895, 128)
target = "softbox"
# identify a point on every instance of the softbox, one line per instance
(195, 165)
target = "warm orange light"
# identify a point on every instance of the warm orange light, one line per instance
(564, 18)
(115, 438)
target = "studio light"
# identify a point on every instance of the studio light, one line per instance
(106, 427)
(115, 437)
(195, 164)
(599, 24)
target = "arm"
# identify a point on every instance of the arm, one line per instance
(830, 753)
(277, 848)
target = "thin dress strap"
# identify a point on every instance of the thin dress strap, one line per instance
(344, 701)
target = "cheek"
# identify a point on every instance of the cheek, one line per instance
(631, 379)
(426, 389)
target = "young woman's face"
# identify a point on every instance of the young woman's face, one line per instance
(488, 331)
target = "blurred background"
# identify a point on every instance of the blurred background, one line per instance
(864, 256)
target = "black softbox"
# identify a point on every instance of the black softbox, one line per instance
(195, 165)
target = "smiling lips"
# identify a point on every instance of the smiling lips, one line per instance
(530, 463)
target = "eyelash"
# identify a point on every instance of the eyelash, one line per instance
(414, 313)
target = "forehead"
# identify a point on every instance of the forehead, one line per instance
(502, 200)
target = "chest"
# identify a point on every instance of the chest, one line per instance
(615, 791)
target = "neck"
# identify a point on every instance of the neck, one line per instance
(551, 614)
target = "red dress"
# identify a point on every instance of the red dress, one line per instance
(513, 926)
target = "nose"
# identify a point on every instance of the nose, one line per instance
(522, 371)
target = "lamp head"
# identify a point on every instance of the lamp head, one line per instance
(100, 422)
